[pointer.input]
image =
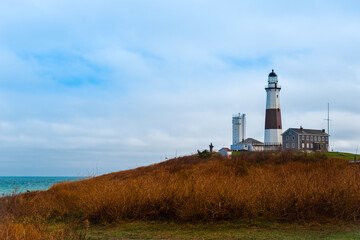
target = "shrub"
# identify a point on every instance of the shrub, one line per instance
(204, 154)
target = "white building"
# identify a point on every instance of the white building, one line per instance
(238, 129)
(248, 144)
(225, 152)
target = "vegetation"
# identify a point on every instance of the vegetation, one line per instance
(203, 154)
(223, 230)
(280, 186)
(29, 229)
(342, 155)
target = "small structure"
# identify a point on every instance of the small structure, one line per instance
(308, 140)
(211, 146)
(249, 144)
(226, 152)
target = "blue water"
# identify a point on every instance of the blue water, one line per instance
(11, 185)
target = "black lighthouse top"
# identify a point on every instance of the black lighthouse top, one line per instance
(272, 74)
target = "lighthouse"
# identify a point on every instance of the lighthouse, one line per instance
(273, 127)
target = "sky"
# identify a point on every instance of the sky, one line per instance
(90, 87)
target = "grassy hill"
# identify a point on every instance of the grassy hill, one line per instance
(252, 186)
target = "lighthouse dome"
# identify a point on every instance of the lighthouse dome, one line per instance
(272, 74)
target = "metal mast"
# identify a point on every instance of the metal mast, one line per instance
(328, 119)
(328, 124)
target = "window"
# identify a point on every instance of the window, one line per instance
(303, 145)
(315, 138)
(311, 138)
(326, 138)
(287, 145)
(311, 145)
(303, 137)
(293, 145)
(287, 137)
(322, 138)
(293, 137)
(307, 145)
(307, 138)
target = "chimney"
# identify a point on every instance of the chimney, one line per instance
(301, 128)
(323, 130)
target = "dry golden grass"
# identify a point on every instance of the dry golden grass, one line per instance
(260, 186)
(15, 230)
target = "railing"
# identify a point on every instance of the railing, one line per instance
(239, 115)
(272, 144)
(272, 85)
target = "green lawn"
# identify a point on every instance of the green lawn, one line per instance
(236, 153)
(222, 230)
(341, 155)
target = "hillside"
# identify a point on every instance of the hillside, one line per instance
(253, 186)
(273, 186)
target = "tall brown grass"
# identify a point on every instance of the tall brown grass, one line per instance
(259, 186)
(23, 230)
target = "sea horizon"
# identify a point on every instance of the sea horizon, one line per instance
(10, 185)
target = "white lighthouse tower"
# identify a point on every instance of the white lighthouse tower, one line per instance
(273, 127)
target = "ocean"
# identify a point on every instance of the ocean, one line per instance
(11, 185)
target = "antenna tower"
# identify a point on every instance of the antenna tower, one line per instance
(328, 122)
(328, 118)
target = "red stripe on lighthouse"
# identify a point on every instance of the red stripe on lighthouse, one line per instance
(273, 119)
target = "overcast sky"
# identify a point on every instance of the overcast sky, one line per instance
(89, 87)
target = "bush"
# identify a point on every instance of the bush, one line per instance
(204, 154)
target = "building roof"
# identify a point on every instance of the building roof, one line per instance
(227, 149)
(272, 74)
(308, 131)
(252, 141)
